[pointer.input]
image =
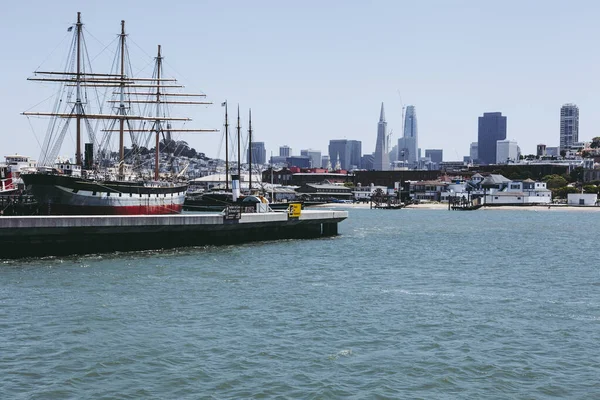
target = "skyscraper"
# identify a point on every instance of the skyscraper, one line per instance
(507, 151)
(382, 162)
(259, 153)
(285, 151)
(569, 126)
(473, 152)
(408, 146)
(492, 127)
(347, 152)
(314, 155)
(435, 155)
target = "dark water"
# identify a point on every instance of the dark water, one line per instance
(404, 304)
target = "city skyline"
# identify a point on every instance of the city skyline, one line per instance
(302, 84)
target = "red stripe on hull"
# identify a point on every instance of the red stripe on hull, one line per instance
(60, 209)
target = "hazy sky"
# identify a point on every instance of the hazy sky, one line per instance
(318, 70)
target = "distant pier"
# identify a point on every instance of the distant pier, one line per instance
(31, 236)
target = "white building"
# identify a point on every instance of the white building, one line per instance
(582, 199)
(507, 151)
(364, 193)
(502, 191)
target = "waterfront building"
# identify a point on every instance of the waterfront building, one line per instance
(347, 152)
(364, 193)
(507, 151)
(259, 153)
(492, 127)
(569, 126)
(314, 155)
(285, 151)
(408, 146)
(381, 159)
(582, 199)
(428, 190)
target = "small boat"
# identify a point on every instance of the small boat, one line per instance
(467, 207)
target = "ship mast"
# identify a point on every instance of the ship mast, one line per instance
(78, 105)
(157, 126)
(76, 80)
(250, 149)
(226, 150)
(122, 103)
(239, 166)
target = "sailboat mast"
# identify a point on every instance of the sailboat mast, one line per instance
(122, 102)
(250, 148)
(157, 127)
(239, 169)
(226, 150)
(78, 105)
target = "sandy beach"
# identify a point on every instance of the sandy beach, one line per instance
(443, 206)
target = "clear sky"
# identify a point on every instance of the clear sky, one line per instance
(318, 70)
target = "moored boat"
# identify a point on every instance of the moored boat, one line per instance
(98, 184)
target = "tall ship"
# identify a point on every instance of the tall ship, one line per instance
(99, 181)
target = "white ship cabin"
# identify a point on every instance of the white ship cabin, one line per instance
(65, 167)
(19, 164)
(217, 182)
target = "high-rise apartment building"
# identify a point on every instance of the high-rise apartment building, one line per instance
(259, 153)
(569, 126)
(492, 127)
(346, 152)
(408, 145)
(382, 161)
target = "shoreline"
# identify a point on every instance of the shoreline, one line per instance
(441, 206)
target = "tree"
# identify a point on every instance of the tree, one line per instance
(576, 175)
(561, 193)
(590, 189)
(595, 142)
(378, 196)
(554, 181)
